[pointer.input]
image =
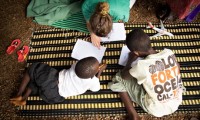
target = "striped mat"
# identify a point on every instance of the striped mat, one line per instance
(54, 47)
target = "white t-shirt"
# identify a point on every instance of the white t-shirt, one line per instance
(70, 84)
(160, 76)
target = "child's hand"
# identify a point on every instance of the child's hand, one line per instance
(95, 40)
(101, 68)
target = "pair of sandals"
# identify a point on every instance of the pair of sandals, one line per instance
(22, 53)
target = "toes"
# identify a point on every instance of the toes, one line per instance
(18, 103)
(17, 98)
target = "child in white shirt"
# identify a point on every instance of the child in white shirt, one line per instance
(54, 86)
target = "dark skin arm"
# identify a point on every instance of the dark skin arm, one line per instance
(124, 95)
(129, 106)
(125, 71)
(132, 57)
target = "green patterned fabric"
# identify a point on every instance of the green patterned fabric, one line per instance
(75, 22)
(46, 12)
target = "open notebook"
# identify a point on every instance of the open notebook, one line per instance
(83, 49)
(124, 57)
(117, 33)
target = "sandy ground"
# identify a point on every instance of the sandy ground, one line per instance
(14, 24)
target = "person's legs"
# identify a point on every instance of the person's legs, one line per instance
(129, 106)
(23, 84)
(22, 100)
(26, 94)
(25, 81)
(129, 91)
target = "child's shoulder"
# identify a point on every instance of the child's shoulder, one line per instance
(166, 50)
(164, 53)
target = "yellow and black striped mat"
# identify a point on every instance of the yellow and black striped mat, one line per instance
(54, 47)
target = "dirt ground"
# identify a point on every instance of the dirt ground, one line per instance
(14, 24)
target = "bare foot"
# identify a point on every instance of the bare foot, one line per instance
(19, 103)
(18, 98)
(134, 118)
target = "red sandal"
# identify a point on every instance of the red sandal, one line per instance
(15, 43)
(23, 53)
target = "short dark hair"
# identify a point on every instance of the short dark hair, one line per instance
(86, 67)
(138, 40)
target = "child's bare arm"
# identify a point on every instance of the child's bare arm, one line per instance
(129, 106)
(125, 72)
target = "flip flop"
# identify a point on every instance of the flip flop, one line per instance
(23, 53)
(15, 43)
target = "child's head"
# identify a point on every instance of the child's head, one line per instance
(101, 21)
(87, 67)
(138, 42)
